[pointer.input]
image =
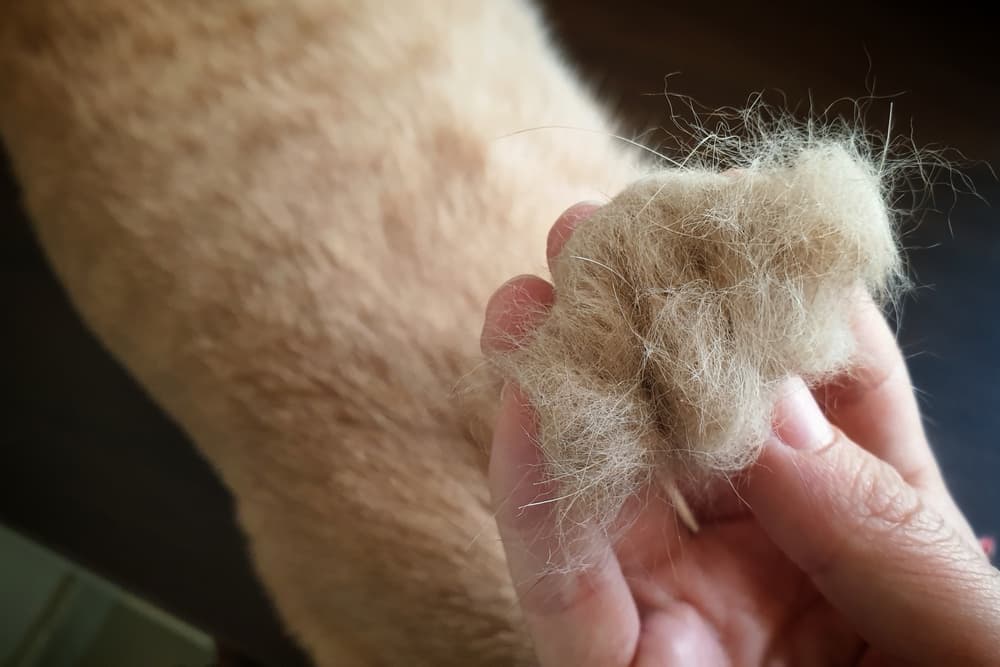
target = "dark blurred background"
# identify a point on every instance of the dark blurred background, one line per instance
(91, 468)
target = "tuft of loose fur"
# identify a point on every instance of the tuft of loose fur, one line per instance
(683, 304)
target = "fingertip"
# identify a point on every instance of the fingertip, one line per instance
(514, 311)
(565, 224)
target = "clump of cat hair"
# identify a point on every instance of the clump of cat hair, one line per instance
(686, 302)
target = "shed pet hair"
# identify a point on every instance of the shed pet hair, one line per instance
(684, 304)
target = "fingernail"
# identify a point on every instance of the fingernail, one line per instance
(567, 222)
(582, 209)
(798, 421)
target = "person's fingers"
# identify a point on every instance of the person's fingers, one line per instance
(891, 563)
(576, 603)
(565, 224)
(874, 404)
(514, 311)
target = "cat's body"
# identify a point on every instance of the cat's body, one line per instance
(285, 217)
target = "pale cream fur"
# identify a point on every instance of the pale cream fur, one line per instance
(285, 217)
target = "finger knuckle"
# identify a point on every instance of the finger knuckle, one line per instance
(886, 504)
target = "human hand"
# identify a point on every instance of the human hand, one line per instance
(841, 546)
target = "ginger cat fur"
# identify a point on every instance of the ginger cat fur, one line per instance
(285, 217)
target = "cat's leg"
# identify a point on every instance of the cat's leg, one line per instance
(285, 217)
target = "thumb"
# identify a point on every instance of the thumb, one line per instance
(902, 574)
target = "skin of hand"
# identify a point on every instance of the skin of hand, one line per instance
(840, 546)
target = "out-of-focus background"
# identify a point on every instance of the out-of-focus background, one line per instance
(54, 613)
(93, 471)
